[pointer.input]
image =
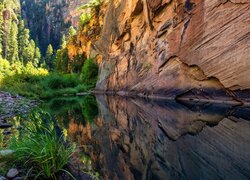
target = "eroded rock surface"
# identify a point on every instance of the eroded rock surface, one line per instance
(172, 48)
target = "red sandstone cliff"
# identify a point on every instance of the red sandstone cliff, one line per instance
(196, 49)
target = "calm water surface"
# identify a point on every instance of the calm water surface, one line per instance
(137, 139)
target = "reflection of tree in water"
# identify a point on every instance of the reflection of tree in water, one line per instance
(74, 116)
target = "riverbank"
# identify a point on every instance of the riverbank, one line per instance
(12, 105)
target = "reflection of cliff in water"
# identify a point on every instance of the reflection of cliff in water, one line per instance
(138, 139)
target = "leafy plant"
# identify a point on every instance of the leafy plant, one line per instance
(39, 148)
(89, 72)
(84, 19)
(92, 4)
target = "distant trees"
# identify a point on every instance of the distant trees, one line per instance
(15, 43)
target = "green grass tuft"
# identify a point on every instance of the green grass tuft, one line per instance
(40, 150)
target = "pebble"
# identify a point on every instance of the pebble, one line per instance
(12, 173)
(6, 132)
(2, 178)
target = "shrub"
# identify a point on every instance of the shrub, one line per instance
(60, 81)
(92, 4)
(89, 72)
(84, 19)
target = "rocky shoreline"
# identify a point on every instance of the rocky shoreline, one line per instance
(12, 105)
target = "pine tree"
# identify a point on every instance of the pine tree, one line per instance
(23, 39)
(37, 57)
(49, 57)
(12, 49)
(30, 51)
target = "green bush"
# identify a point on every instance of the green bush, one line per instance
(92, 4)
(84, 19)
(89, 72)
(60, 81)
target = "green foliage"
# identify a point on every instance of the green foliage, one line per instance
(37, 83)
(49, 57)
(17, 78)
(56, 81)
(23, 39)
(15, 43)
(62, 60)
(37, 57)
(71, 31)
(92, 4)
(30, 51)
(12, 48)
(84, 19)
(40, 149)
(89, 72)
(84, 109)
(89, 108)
(63, 42)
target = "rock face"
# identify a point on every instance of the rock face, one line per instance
(174, 48)
(49, 19)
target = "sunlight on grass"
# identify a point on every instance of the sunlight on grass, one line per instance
(39, 149)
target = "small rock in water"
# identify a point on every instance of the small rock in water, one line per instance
(6, 132)
(12, 173)
(2, 178)
(6, 152)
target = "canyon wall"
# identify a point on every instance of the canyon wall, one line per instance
(196, 49)
(48, 20)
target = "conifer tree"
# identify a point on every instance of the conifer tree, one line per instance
(23, 39)
(37, 57)
(49, 57)
(12, 48)
(30, 51)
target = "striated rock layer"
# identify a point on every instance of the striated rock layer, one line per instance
(196, 49)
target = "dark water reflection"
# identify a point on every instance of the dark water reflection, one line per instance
(139, 139)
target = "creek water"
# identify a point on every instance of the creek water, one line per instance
(131, 138)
